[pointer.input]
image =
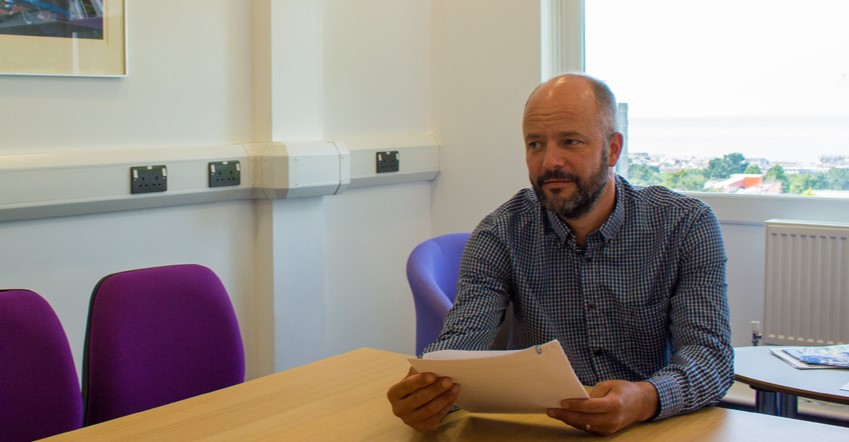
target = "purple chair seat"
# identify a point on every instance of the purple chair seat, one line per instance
(156, 336)
(40, 396)
(432, 271)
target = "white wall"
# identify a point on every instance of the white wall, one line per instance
(370, 232)
(376, 68)
(338, 271)
(745, 247)
(189, 84)
(377, 82)
(485, 63)
(310, 277)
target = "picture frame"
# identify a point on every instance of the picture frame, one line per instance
(81, 38)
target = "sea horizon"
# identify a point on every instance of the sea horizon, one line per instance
(776, 139)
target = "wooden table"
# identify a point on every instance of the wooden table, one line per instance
(344, 398)
(777, 384)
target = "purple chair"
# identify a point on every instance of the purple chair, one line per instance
(156, 336)
(40, 396)
(432, 271)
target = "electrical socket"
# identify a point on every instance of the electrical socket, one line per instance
(225, 173)
(389, 161)
(146, 179)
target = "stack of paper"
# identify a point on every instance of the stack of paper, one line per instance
(514, 381)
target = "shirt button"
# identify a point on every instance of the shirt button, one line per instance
(590, 305)
(597, 352)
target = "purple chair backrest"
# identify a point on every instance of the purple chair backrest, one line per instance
(40, 396)
(156, 336)
(432, 271)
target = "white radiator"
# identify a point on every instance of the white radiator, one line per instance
(806, 292)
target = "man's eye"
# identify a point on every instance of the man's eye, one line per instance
(534, 145)
(571, 142)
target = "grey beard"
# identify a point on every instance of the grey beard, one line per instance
(584, 199)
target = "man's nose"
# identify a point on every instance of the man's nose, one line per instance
(553, 158)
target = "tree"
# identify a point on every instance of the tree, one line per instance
(643, 175)
(688, 179)
(838, 178)
(721, 168)
(776, 174)
(806, 183)
(753, 169)
(818, 181)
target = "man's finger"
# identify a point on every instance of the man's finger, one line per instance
(428, 417)
(590, 406)
(410, 384)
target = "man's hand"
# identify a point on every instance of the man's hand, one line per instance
(612, 406)
(422, 400)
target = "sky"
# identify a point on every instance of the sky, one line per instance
(777, 67)
(722, 57)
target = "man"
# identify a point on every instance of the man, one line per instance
(630, 280)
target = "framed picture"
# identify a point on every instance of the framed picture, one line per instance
(63, 37)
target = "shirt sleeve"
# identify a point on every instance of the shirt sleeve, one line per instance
(701, 367)
(482, 293)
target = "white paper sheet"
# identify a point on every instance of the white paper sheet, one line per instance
(516, 381)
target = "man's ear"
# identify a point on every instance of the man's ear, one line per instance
(614, 145)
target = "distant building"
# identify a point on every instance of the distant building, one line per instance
(744, 183)
(834, 160)
(799, 169)
(762, 163)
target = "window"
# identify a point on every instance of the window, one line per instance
(730, 96)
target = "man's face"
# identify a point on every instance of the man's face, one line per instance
(566, 150)
(575, 202)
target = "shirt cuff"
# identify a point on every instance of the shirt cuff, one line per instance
(670, 399)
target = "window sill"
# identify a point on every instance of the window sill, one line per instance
(755, 209)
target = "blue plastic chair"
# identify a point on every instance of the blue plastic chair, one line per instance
(432, 270)
(41, 391)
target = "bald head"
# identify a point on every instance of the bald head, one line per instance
(579, 87)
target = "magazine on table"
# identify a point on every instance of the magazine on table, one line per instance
(832, 356)
(795, 363)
